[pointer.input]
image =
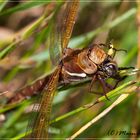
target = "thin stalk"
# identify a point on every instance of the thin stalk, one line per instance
(26, 32)
(77, 41)
(125, 88)
(110, 95)
(98, 117)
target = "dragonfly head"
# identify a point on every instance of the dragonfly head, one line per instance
(110, 69)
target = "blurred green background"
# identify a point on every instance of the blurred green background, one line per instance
(24, 53)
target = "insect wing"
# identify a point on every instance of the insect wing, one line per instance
(54, 40)
(54, 45)
(68, 22)
(61, 29)
(40, 123)
(30, 90)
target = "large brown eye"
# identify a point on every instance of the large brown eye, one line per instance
(111, 69)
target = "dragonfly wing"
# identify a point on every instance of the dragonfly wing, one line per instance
(68, 22)
(54, 40)
(61, 29)
(40, 123)
(54, 44)
(30, 90)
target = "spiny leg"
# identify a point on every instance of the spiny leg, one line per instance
(103, 84)
(91, 85)
(118, 79)
(115, 85)
(121, 78)
(107, 86)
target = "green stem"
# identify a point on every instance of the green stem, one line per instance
(114, 93)
(77, 41)
(111, 94)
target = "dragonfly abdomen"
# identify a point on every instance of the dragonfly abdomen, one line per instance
(30, 90)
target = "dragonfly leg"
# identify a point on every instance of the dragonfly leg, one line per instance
(91, 85)
(103, 84)
(106, 86)
(119, 79)
(110, 87)
(92, 82)
(96, 92)
(116, 84)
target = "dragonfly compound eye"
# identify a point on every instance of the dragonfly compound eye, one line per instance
(111, 69)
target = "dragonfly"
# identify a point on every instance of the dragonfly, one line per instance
(72, 65)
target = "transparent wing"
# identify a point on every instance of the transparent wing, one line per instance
(61, 29)
(41, 120)
(54, 44)
(68, 22)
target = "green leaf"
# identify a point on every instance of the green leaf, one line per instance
(6, 50)
(87, 37)
(24, 6)
(2, 4)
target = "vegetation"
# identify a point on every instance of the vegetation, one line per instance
(24, 57)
